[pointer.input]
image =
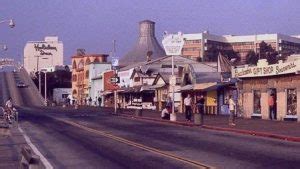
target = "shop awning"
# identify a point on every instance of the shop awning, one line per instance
(200, 86)
(107, 92)
(157, 86)
(147, 88)
(187, 87)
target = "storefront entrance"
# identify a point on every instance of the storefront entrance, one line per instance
(272, 99)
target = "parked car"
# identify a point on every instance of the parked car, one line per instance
(21, 84)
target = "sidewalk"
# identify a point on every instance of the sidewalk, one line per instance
(10, 147)
(266, 128)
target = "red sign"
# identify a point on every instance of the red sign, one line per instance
(108, 85)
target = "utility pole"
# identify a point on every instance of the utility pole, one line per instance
(115, 74)
(45, 88)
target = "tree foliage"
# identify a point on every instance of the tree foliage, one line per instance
(267, 52)
(213, 54)
(56, 79)
(251, 58)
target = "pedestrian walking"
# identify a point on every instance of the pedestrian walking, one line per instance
(90, 101)
(188, 107)
(271, 103)
(99, 101)
(200, 106)
(232, 111)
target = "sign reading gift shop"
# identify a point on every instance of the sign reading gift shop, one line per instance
(173, 44)
(268, 70)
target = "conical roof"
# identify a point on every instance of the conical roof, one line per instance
(146, 42)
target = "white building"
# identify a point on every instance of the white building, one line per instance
(60, 94)
(43, 54)
(96, 84)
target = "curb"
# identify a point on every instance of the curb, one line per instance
(240, 131)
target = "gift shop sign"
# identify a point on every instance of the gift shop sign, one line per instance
(269, 70)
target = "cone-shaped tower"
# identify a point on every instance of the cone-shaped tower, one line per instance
(146, 43)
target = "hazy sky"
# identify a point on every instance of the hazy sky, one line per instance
(93, 24)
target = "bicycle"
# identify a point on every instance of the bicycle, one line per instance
(10, 116)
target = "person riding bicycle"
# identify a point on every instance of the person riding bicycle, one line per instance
(9, 106)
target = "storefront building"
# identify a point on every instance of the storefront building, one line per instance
(256, 85)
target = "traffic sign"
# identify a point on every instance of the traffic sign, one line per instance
(115, 80)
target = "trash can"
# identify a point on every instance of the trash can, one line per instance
(197, 119)
(139, 112)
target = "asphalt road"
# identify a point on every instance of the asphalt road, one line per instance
(97, 139)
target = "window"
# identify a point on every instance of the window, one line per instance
(74, 78)
(88, 61)
(74, 65)
(87, 74)
(64, 96)
(81, 64)
(291, 102)
(136, 79)
(256, 103)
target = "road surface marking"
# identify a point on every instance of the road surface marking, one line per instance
(35, 150)
(141, 146)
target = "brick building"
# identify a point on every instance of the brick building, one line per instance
(203, 46)
(80, 73)
(257, 84)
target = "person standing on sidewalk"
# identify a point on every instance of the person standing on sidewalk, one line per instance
(271, 107)
(188, 107)
(99, 101)
(232, 111)
(200, 106)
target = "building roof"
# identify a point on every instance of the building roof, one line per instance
(242, 38)
(146, 42)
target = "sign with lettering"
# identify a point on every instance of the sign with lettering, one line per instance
(173, 44)
(268, 70)
(44, 49)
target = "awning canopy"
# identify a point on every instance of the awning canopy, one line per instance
(200, 86)
(157, 86)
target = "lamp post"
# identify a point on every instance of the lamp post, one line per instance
(39, 72)
(45, 72)
(11, 23)
(3, 47)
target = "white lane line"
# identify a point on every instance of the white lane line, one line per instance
(35, 150)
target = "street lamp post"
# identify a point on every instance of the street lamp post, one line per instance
(45, 72)
(39, 72)
(11, 23)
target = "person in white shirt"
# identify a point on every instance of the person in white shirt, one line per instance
(188, 107)
(232, 111)
(8, 104)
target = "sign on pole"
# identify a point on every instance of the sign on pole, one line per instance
(173, 44)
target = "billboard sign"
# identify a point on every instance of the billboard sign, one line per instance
(173, 44)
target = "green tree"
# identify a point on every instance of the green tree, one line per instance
(251, 58)
(267, 52)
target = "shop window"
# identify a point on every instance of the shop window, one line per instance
(291, 102)
(256, 101)
(74, 65)
(74, 78)
(136, 79)
(87, 74)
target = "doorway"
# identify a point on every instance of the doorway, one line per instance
(272, 111)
